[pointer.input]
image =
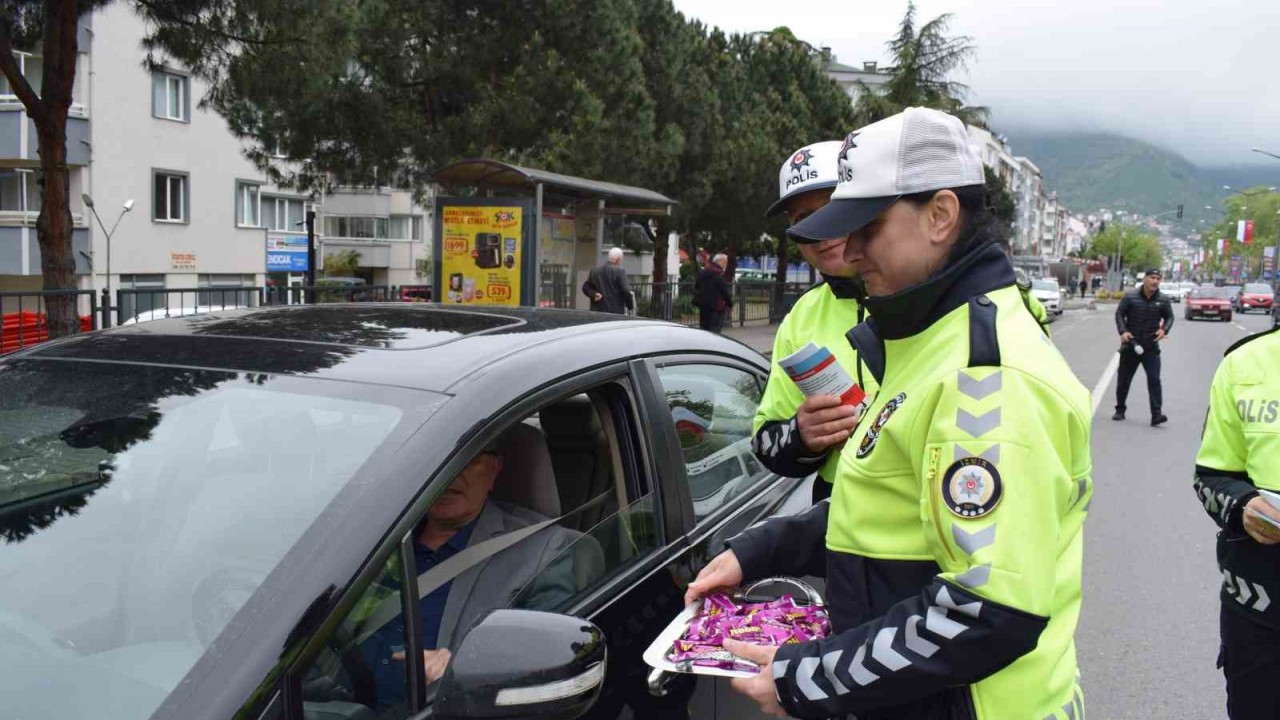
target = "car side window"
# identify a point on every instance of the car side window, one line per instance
(552, 507)
(360, 671)
(713, 407)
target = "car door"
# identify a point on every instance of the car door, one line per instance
(605, 556)
(700, 409)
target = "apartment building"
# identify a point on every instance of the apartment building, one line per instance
(853, 79)
(202, 216)
(1028, 194)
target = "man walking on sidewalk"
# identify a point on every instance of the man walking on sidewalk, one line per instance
(1143, 318)
(607, 286)
(712, 294)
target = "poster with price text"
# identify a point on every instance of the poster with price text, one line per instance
(480, 259)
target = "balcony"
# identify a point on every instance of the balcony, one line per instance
(17, 131)
(18, 140)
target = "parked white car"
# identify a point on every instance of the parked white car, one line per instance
(1049, 293)
(161, 313)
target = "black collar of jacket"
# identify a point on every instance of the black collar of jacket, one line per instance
(845, 288)
(911, 311)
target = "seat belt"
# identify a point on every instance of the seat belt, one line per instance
(453, 566)
(447, 571)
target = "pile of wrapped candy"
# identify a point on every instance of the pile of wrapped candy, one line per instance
(777, 622)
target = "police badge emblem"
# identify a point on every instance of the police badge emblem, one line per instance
(873, 433)
(971, 487)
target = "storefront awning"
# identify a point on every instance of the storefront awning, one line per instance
(493, 174)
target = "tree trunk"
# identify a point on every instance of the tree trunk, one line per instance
(661, 243)
(53, 227)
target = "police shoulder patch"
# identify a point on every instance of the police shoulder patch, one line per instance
(873, 432)
(971, 487)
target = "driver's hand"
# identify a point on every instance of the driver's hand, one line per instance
(723, 571)
(434, 662)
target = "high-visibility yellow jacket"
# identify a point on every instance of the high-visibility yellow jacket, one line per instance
(823, 316)
(953, 541)
(1240, 453)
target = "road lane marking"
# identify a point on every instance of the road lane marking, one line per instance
(1238, 325)
(1100, 390)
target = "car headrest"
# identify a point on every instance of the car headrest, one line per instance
(574, 417)
(527, 478)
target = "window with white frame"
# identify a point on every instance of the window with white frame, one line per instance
(248, 205)
(357, 227)
(171, 96)
(19, 190)
(169, 197)
(284, 214)
(406, 227)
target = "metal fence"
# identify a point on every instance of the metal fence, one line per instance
(24, 319)
(140, 304)
(753, 302)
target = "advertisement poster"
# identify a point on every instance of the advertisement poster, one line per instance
(1235, 268)
(287, 253)
(481, 259)
(1268, 262)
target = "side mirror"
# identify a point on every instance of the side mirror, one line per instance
(524, 664)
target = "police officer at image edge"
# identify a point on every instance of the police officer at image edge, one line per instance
(1239, 457)
(1143, 318)
(952, 545)
(822, 315)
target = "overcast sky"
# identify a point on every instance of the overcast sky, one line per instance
(1201, 77)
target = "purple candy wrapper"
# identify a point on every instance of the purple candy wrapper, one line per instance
(777, 622)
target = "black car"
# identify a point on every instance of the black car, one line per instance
(230, 515)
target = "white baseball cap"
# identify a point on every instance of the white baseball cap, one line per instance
(812, 167)
(917, 150)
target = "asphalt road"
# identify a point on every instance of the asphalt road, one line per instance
(1148, 635)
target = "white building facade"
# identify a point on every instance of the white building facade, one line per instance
(203, 216)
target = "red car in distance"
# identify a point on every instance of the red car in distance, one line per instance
(1256, 296)
(1208, 302)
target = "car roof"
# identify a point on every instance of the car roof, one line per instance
(425, 346)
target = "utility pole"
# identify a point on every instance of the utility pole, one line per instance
(311, 251)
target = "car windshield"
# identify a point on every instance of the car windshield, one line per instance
(1258, 289)
(1050, 285)
(141, 507)
(1220, 293)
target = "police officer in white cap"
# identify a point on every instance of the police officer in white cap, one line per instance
(795, 436)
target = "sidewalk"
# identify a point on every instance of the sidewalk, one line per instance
(757, 337)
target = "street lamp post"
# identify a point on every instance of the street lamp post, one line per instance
(1264, 152)
(128, 205)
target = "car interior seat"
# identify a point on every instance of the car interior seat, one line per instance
(528, 479)
(580, 455)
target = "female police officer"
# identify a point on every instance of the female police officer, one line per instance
(1239, 457)
(953, 540)
(795, 436)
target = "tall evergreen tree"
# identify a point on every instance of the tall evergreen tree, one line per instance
(924, 59)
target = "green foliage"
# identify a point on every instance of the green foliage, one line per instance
(999, 199)
(1139, 250)
(924, 59)
(622, 90)
(1257, 204)
(1099, 170)
(342, 263)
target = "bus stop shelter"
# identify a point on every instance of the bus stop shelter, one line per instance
(566, 224)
